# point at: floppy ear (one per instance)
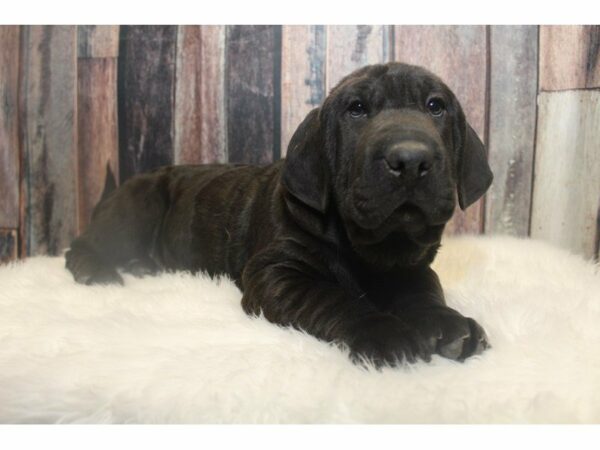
(474, 173)
(305, 174)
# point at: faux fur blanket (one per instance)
(178, 348)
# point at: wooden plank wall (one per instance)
(97, 128)
(566, 193)
(48, 121)
(9, 141)
(80, 103)
(511, 130)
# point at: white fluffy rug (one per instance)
(178, 348)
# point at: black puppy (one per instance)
(337, 238)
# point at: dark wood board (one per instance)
(8, 245)
(146, 95)
(253, 60)
(48, 121)
(9, 128)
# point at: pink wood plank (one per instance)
(302, 75)
(200, 135)
(569, 57)
(97, 137)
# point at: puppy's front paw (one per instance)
(386, 340)
(447, 332)
(88, 270)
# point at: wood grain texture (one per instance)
(97, 137)
(457, 54)
(352, 46)
(98, 41)
(8, 245)
(200, 134)
(9, 128)
(566, 193)
(146, 87)
(597, 237)
(48, 126)
(513, 95)
(303, 64)
(569, 57)
(253, 56)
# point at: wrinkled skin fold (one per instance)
(336, 239)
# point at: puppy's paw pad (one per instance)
(453, 349)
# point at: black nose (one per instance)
(409, 159)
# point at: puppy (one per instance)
(336, 239)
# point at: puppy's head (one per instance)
(389, 148)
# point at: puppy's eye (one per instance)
(436, 106)
(357, 109)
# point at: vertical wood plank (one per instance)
(597, 237)
(98, 41)
(513, 95)
(146, 85)
(8, 245)
(303, 53)
(569, 57)
(9, 131)
(49, 120)
(253, 58)
(566, 193)
(458, 55)
(97, 137)
(200, 135)
(350, 47)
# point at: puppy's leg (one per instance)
(416, 296)
(122, 232)
(292, 288)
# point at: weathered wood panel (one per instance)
(458, 55)
(200, 135)
(569, 57)
(566, 193)
(146, 86)
(97, 137)
(352, 46)
(253, 61)
(513, 95)
(9, 131)
(597, 237)
(98, 41)
(8, 245)
(303, 57)
(48, 126)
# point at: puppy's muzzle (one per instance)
(407, 145)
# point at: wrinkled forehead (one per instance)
(385, 87)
